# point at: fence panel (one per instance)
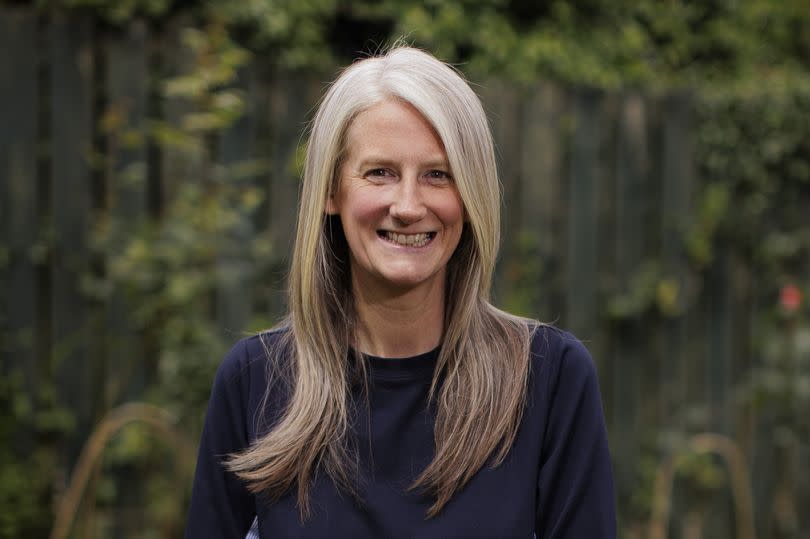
(237, 145)
(289, 101)
(71, 75)
(584, 191)
(539, 206)
(503, 104)
(19, 199)
(627, 357)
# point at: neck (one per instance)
(399, 324)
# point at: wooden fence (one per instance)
(598, 190)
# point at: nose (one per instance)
(408, 205)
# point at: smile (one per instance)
(407, 240)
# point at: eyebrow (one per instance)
(385, 162)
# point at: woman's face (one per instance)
(401, 212)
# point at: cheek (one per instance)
(451, 211)
(362, 207)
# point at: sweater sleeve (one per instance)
(575, 485)
(221, 506)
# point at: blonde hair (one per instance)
(483, 364)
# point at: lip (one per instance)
(430, 235)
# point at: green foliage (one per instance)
(28, 464)
(113, 11)
(652, 292)
(713, 208)
(754, 154)
(606, 44)
(523, 274)
(600, 43)
(702, 470)
(137, 452)
(161, 272)
(779, 387)
(167, 270)
(296, 31)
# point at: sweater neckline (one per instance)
(402, 368)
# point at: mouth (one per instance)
(407, 240)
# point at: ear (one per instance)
(331, 206)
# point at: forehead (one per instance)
(393, 128)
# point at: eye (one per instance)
(439, 176)
(378, 174)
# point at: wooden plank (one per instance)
(177, 164)
(655, 335)
(263, 136)
(125, 368)
(19, 203)
(556, 287)
(583, 196)
(504, 109)
(744, 352)
(677, 180)
(702, 371)
(127, 78)
(290, 100)
(605, 232)
(632, 174)
(542, 215)
(627, 359)
(632, 170)
(719, 373)
(267, 296)
(234, 268)
(71, 136)
(126, 81)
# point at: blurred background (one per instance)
(655, 159)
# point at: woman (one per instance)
(395, 400)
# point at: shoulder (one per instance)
(253, 351)
(559, 358)
(242, 381)
(246, 364)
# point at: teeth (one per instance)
(410, 240)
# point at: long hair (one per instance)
(479, 385)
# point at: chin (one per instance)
(405, 282)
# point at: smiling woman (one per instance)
(395, 400)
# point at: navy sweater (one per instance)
(556, 481)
